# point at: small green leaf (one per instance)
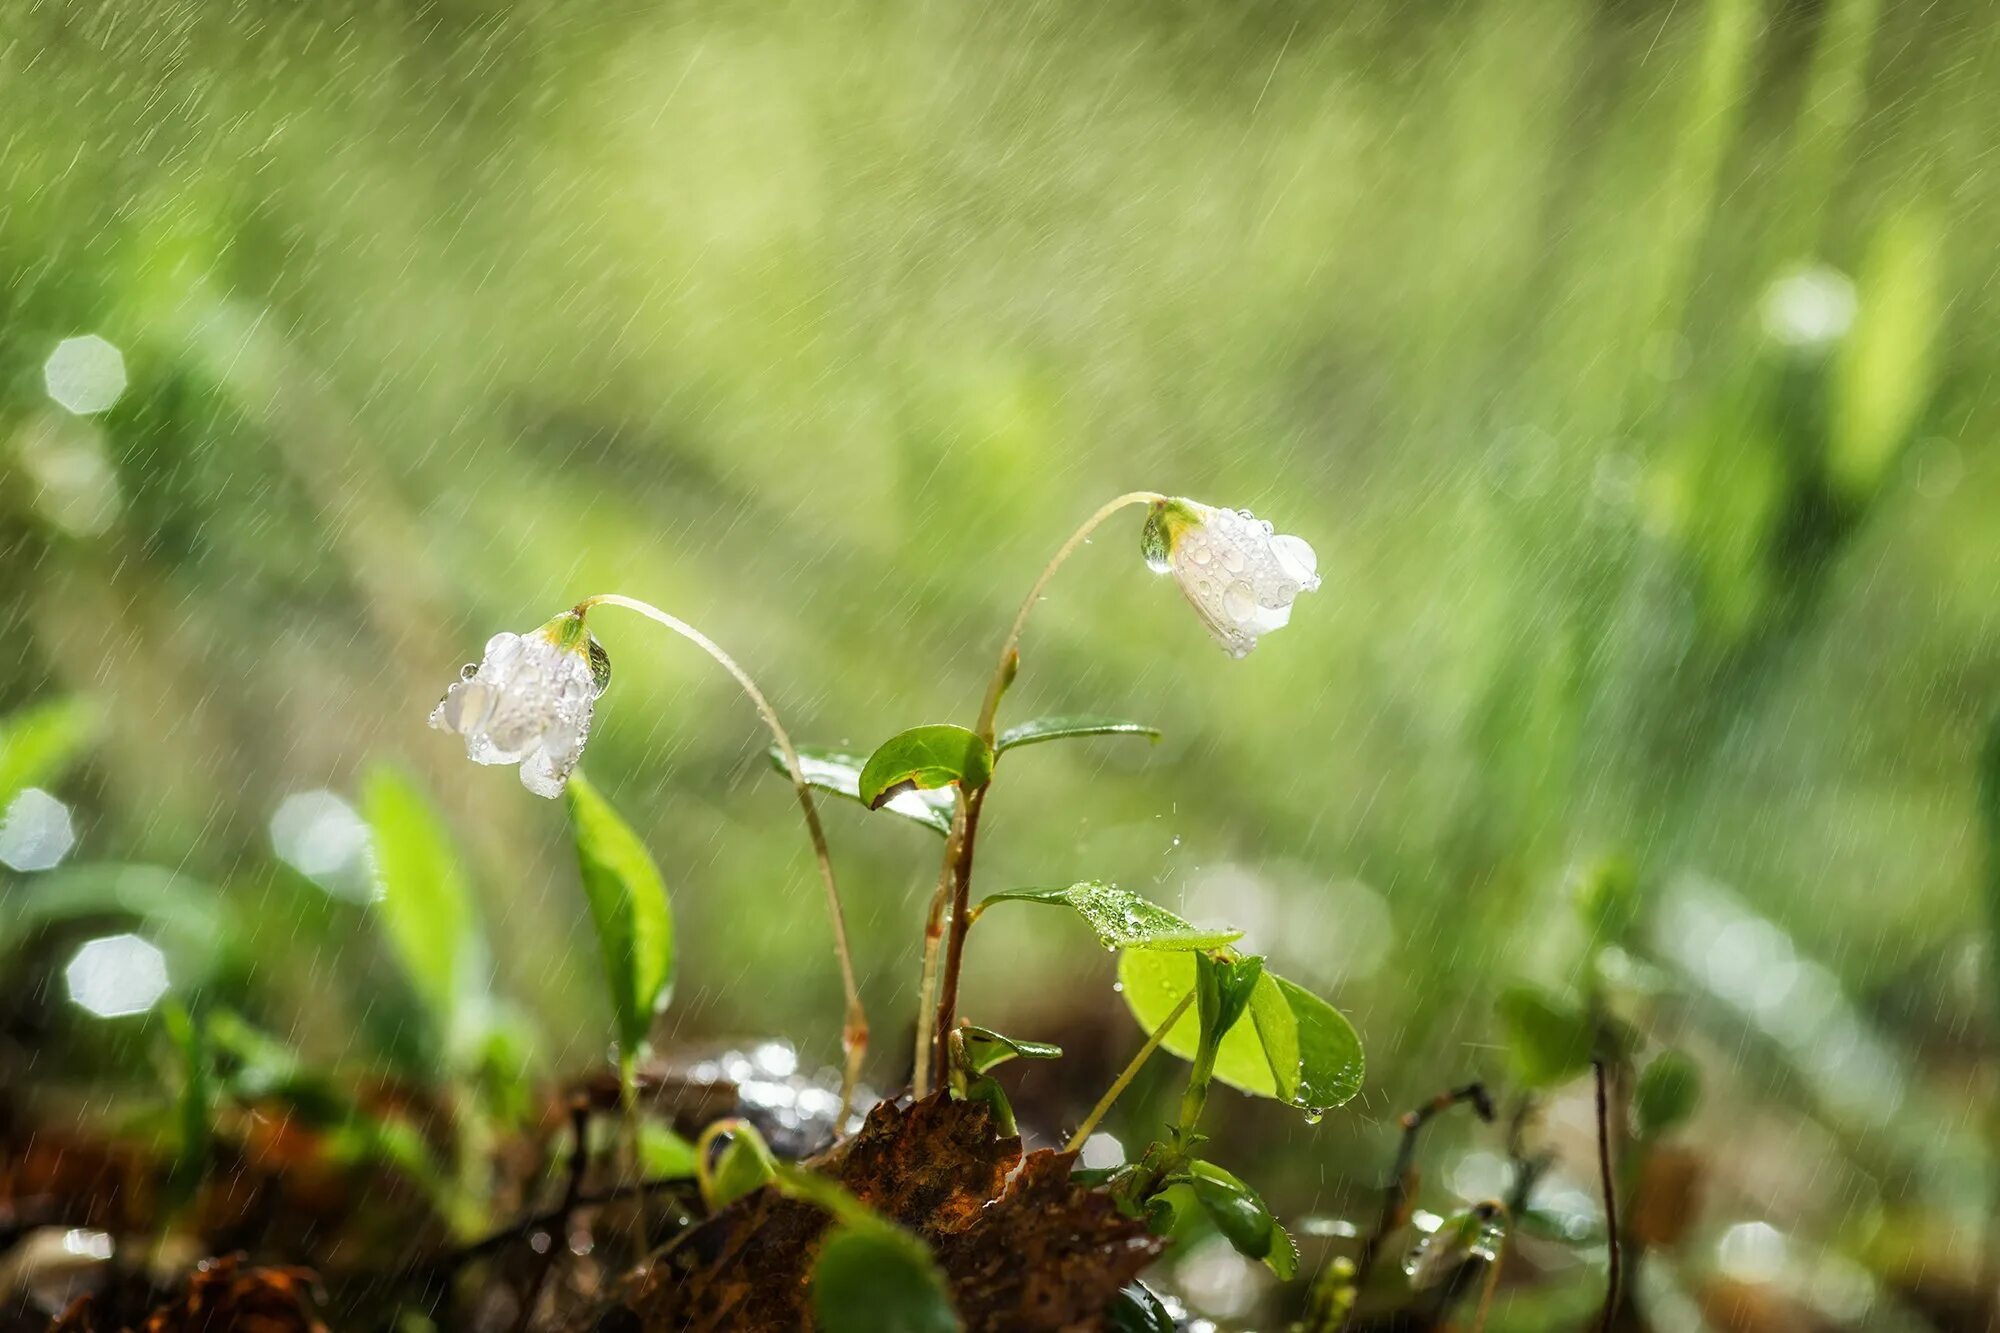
(628, 903)
(195, 1105)
(1242, 1218)
(985, 1048)
(746, 1165)
(1223, 987)
(1608, 901)
(1137, 1309)
(876, 1278)
(1550, 1040)
(1062, 728)
(1667, 1093)
(985, 1090)
(423, 899)
(39, 742)
(1297, 1048)
(663, 1154)
(839, 772)
(924, 759)
(1121, 918)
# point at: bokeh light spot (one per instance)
(85, 375)
(117, 975)
(36, 833)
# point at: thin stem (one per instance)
(1127, 1074)
(1010, 647)
(854, 1029)
(635, 1159)
(1396, 1193)
(941, 901)
(1610, 1195)
(1493, 1270)
(956, 874)
(579, 1163)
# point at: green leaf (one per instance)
(195, 1105)
(1062, 728)
(184, 916)
(39, 742)
(1137, 1309)
(839, 772)
(1608, 902)
(924, 759)
(1297, 1048)
(1224, 985)
(1667, 1093)
(1550, 1040)
(746, 1165)
(985, 1090)
(1121, 918)
(423, 899)
(1989, 818)
(628, 903)
(663, 1154)
(1243, 1218)
(985, 1048)
(1888, 363)
(876, 1278)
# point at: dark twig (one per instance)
(1396, 1194)
(528, 1226)
(579, 1163)
(1610, 1194)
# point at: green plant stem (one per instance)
(927, 977)
(956, 877)
(1126, 1075)
(854, 1027)
(1612, 1280)
(628, 1108)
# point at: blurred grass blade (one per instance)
(839, 772)
(1121, 918)
(423, 899)
(1883, 378)
(1989, 818)
(628, 903)
(38, 743)
(1062, 728)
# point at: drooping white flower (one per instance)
(1238, 573)
(529, 702)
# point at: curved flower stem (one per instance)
(1127, 1074)
(1010, 648)
(1612, 1280)
(955, 878)
(854, 1029)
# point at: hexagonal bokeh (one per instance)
(85, 374)
(117, 975)
(36, 832)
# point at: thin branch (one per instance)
(528, 1226)
(854, 1028)
(1396, 1193)
(1610, 1195)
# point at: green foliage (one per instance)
(1549, 1040)
(1989, 818)
(1243, 1218)
(1121, 918)
(1138, 1310)
(424, 901)
(1064, 727)
(839, 772)
(182, 915)
(744, 1166)
(663, 1154)
(1607, 901)
(628, 905)
(1297, 1048)
(924, 759)
(38, 743)
(984, 1049)
(1886, 366)
(194, 1104)
(875, 1278)
(1667, 1093)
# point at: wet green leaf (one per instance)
(1668, 1090)
(1887, 365)
(628, 903)
(1550, 1040)
(924, 759)
(1608, 901)
(839, 772)
(876, 1278)
(1297, 1048)
(1137, 1309)
(39, 742)
(1121, 918)
(745, 1165)
(985, 1048)
(1062, 728)
(663, 1154)
(423, 899)
(1242, 1218)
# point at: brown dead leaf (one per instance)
(1038, 1254)
(221, 1296)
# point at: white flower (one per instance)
(529, 702)
(1240, 576)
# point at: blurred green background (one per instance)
(1629, 364)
